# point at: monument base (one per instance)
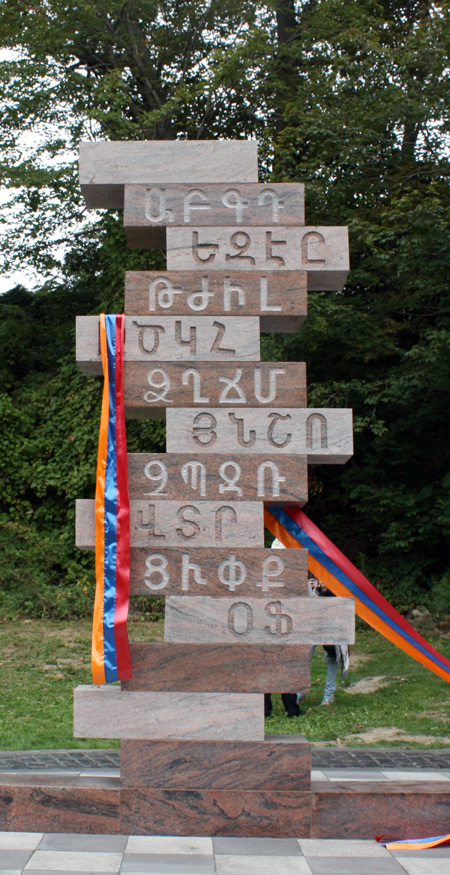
(359, 810)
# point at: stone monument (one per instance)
(238, 619)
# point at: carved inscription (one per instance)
(172, 524)
(148, 208)
(271, 620)
(321, 252)
(279, 480)
(170, 338)
(325, 435)
(149, 388)
(279, 298)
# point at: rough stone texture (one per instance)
(321, 251)
(105, 168)
(155, 339)
(277, 763)
(183, 477)
(278, 297)
(171, 524)
(109, 712)
(324, 434)
(148, 209)
(215, 812)
(246, 571)
(362, 811)
(249, 621)
(59, 809)
(219, 668)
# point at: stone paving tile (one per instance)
(168, 864)
(20, 840)
(355, 866)
(424, 866)
(354, 774)
(256, 846)
(419, 775)
(316, 775)
(74, 861)
(342, 848)
(10, 871)
(83, 842)
(442, 851)
(233, 864)
(169, 845)
(14, 859)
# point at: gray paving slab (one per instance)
(74, 861)
(82, 842)
(342, 848)
(354, 775)
(169, 845)
(256, 846)
(354, 866)
(169, 864)
(441, 852)
(424, 866)
(262, 865)
(20, 840)
(14, 859)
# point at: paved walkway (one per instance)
(61, 854)
(56, 854)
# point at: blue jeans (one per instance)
(330, 680)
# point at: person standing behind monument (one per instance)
(335, 654)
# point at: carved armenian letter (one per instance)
(324, 434)
(149, 209)
(321, 251)
(172, 524)
(202, 620)
(277, 297)
(217, 572)
(162, 476)
(173, 338)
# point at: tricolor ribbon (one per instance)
(110, 648)
(294, 529)
(412, 844)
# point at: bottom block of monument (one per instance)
(109, 712)
(266, 813)
(281, 762)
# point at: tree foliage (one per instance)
(350, 98)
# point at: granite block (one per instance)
(321, 251)
(279, 298)
(149, 389)
(106, 167)
(232, 668)
(325, 435)
(215, 812)
(203, 620)
(217, 572)
(279, 763)
(109, 712)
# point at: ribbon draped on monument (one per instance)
(110, 649)
(294, 529)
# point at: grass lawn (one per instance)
(388, 699)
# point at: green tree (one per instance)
(350, 98)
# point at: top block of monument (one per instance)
(106, 167)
